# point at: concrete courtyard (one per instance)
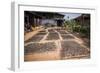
(54, 44)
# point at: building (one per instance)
(83, 20)
(46, 19)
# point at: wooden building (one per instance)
(35, 19)
(83, 20)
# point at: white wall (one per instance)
(50, 21)
(5, 34)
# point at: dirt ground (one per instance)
(54, 44)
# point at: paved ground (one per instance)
(55, 44)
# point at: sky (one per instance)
(69, 16)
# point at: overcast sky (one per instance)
(69, 16)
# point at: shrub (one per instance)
(85, 30)
(75, 26)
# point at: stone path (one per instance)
(53, 44)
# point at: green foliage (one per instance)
(85, 31)
(77, 28)
(74, 26)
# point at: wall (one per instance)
(5, 35)
(48, 21)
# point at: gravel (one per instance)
(52, 36)
(62, 31)
(39, 47)
(41, 33)
(35, 38)
(72, 48)
(51, 30)
(67, 37)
